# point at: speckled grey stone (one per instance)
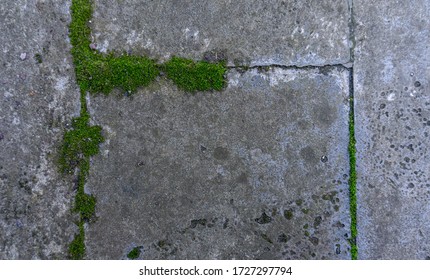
(392, 70)
(37, 100)
(251, 32)
(235, 174)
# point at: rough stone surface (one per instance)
(246, 32)
(392, 71)
(36, 102)
(237, 174)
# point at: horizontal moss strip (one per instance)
(195, 76)
(101, 73)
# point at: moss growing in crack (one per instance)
(195, 76)
(85, 204)
(134, 254)
(99, 73)
(352, 188)
(79, 143)
(77, 246)
(352, 171)
(103, 73)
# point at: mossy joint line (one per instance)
(101, 73)
(352, 171)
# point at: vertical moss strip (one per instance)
(352, 172)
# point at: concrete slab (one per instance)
(38, 96)
(246, 32)
(392, 95)
(258, 171)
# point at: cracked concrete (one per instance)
(38, 97)
(215, 175)
(256, 171)
(392, 71)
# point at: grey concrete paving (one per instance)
(246, 32)
(258, 171)
(392, 70)
(38, 96)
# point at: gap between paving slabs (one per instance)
(100, 73)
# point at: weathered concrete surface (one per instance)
(246, 32)
(238, 174)
(36, 101)
(392, 95)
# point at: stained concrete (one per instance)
(38, 97)
(257, 171)
(392, 107)
(245, 32)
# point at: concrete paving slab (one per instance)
(246, 32)
(257, 171)
(38, 96)
(392, 113)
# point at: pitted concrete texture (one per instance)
(38, 96)
(245, 32)
(258, 171)
(392, 95)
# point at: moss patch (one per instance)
(77, 247)
(288, 214)
(352, 175)
(100, 73)
(79, 143)
(195, 76)
(134, 254)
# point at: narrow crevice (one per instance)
(351, 25)
(347, 66)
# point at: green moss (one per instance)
(134, 254)
(352, 171)
(352, 187)
(195, 76)
(288, 214)
(77, 246)
(38, 58)
(99, 73)
(85, 204)
(103, 73)
(79, 143)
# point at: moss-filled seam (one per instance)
(352, 174)
(79, 144)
